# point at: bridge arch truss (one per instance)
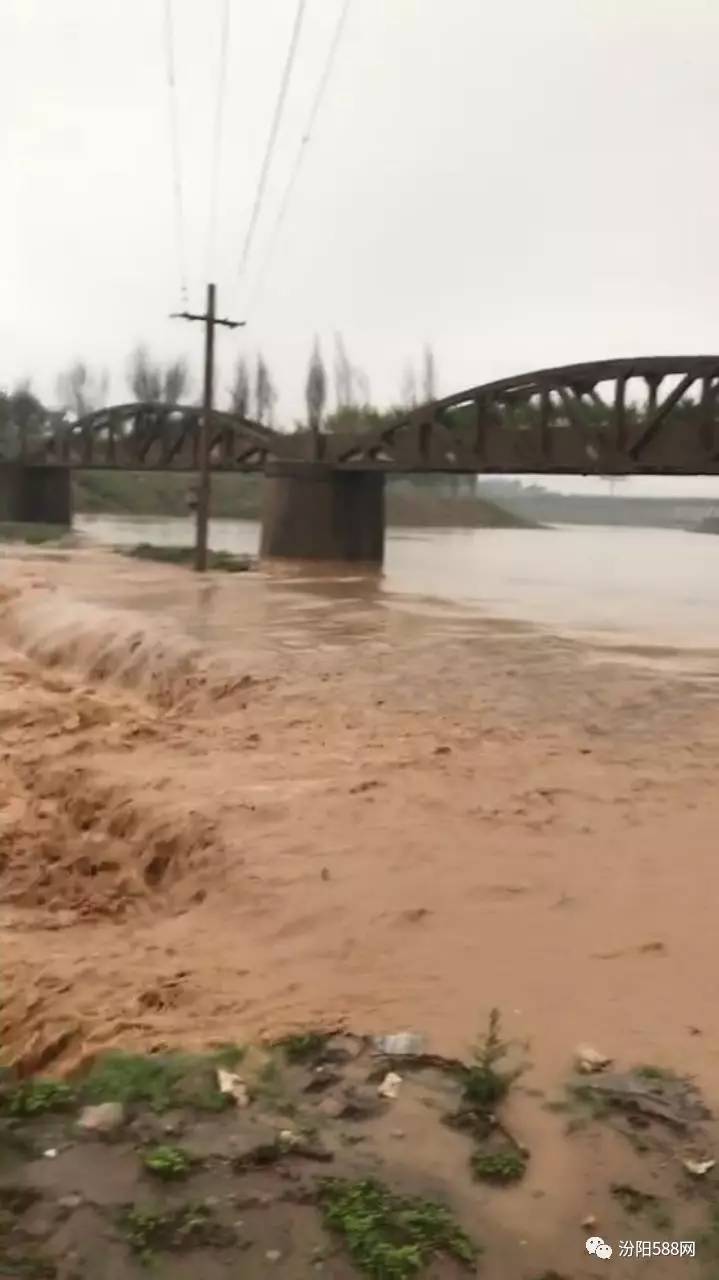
(159, 437)
(650, 415)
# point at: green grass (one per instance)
(36, 1097)
(391, 1237)
(500, 1167)
(169, 1164)
(160, 1081)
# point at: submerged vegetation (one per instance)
(223, 561)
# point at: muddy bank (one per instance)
(338, 1156)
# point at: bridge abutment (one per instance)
(36, 494)
(312, 512)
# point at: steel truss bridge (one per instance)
(646, 416)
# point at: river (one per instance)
(620, 586)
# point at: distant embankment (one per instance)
(147, 493)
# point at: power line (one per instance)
(272, 138)
(217, 137)
(175, 143)
(294, 175)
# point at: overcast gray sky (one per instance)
(519, 182)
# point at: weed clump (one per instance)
(168, 1163)
(391, 1237)
(500, 1167)
(484, 1083)
(189, 1226)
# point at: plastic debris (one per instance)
(50, 1153)
(233, 1085)
(389, 1088)
(589, 1060)
(698, 1168)
(404, 1044)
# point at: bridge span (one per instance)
(324, 494)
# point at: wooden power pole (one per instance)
(210, 321)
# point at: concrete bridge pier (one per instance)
(35, 495)
(311, 512)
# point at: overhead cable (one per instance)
(306, 136)
(272, 137)
(175, 149)
(217, 137)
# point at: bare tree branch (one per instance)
(240, 389)
(144, 376)
(429, 375)
(80, 390)
(316, 389)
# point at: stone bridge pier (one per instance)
(312, 512)
(35, 494)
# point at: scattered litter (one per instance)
(589, 1222)
(228, 1082)
(589, 1060)
(389, 1087)
(698, 1168)
(405, 1044)
(273, 1255)
(50, 1153)
(289, 1139)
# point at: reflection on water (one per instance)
(635, 587)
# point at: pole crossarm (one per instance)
(190, 315)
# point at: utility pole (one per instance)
(210, 320)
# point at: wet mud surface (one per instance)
(228, 812)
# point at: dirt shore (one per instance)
(229, 814)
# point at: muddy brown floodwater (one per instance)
(397, 823)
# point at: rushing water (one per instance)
(643, 586)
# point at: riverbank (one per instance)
(255, 827)
(239, 497)
(337, 1155)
